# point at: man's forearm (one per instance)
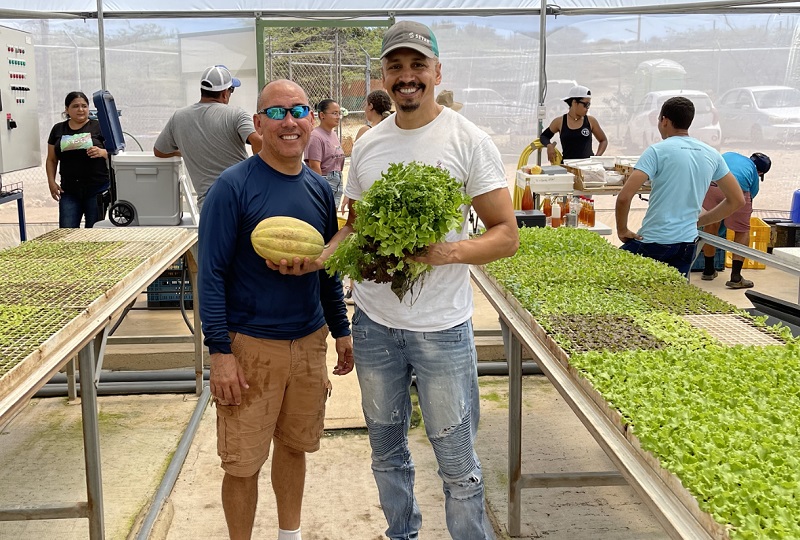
(718, 213)
(621, 211)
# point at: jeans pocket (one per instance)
(451, 335)
(357, 314)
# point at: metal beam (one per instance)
(585, 479)
(45, 511)
(29, 14)
(748, 252)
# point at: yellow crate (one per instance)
(759, 238)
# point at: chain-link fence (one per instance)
(342, 73)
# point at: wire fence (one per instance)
(344, 73)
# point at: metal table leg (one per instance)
(191, 262)
(91, 441)
(21, 215)
(514, 355)
(72, 389)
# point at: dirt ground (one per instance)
(41, 456)
(41, 459)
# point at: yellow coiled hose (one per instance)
(523, 160)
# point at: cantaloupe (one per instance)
(283, 237)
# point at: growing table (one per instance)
(676, 511)
(71, 325)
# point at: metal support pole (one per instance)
(101, 42)
(514, 433)
(260, 57)
(91, 442)
(72, 392)
(542, 72)
(191, 262)
(100, 353)
(23, 235)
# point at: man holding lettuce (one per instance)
(429, 330)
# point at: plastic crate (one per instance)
(719, 261)
(719, 255)
(164, 291)
(759, 239)
(168, 300)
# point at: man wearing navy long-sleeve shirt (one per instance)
(266, 332)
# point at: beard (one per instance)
(407, 107)
(410, 107)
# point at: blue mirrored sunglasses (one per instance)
(279, 113)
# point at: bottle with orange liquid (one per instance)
(565, 206)
(582, 211)
(547, 208)
(590, 214)
(527, 196)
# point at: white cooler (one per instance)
(147, 190)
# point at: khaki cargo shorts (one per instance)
(289, 386)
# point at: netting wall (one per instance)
(622, 59)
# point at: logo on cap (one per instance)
(411, 35)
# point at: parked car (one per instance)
(642, 130)
(760, 113)
(491, 111)
(553, 101)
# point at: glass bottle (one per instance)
(590, 214)
(527, 196)
(547, 208)
(565, 207)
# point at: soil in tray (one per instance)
(583, 333)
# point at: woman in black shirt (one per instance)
(77, 144)
(576, 128)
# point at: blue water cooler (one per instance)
(795, 213)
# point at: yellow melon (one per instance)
(283, 237)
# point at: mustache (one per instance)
(396, 87)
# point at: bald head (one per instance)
(278, 86)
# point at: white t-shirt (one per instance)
(453, 143)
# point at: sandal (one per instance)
(741, 284)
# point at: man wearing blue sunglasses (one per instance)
(210, 134)
(266, 332)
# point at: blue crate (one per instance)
(168, 300)
(719, 256)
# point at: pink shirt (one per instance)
(324, 146)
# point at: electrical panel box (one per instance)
(19, 120)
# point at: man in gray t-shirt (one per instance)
(210, 135)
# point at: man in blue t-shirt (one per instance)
(266, 332)
(748, 171)
(680, 169)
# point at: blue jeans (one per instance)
(334, 179)
(445, 364)
(72, 207)
(679, 255)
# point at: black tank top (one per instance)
(577, 143)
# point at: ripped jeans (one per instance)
(445, 364)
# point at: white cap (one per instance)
(218, 78)
(578, 92)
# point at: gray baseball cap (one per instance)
(412, 35)
(218, 78)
